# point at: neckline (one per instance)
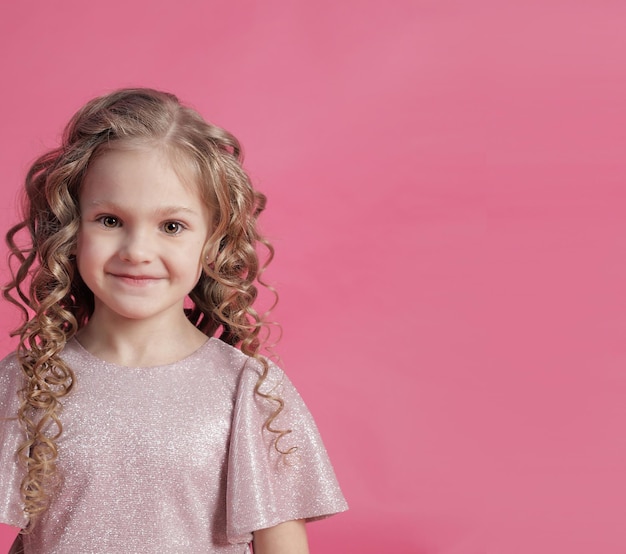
(82, 351)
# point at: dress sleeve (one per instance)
(264, 487)
(11, 512)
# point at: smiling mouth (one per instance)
(138, 280)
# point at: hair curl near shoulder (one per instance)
(56, 303)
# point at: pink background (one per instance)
(446, 186)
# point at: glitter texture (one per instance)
(170, 458)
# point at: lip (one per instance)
(135, 280)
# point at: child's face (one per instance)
(141, 237)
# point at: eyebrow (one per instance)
(166, 211)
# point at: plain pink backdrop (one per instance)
(447, 199)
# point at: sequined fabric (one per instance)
(170, 458)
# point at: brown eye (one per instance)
(172, 227)
(110, 221)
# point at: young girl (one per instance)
(137, 412)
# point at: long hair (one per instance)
(56, 303)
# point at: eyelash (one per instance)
(104, 218)
(112, 222)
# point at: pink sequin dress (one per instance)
(169, 458)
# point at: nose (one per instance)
(136, 247)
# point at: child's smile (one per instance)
(141, 236)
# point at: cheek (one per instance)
(87, 252)
(200, 269)
(183, 259)
(79, 252)
(83, 261)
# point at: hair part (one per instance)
(56, 303)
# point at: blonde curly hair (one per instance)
(56, 303)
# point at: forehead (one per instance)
(164, 156)
(138, 176)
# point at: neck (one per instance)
(140, 343)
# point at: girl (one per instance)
(137, 412)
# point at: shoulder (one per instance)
(243, 366)
(227, 354)
(11, 381)
(8, 360)
(9, 368)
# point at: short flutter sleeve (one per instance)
(11, 506)
(264, 487)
